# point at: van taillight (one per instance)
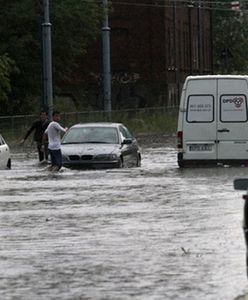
(179, 139)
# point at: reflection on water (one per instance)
(155, 232)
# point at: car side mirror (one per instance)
(127, 142)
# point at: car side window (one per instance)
(125, 133)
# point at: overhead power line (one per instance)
(220, 5)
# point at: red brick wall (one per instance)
(153, 49)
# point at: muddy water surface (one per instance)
(155, 232)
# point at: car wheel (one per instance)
(9, 164)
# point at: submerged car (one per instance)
(5, 159)
(100, 145)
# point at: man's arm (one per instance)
(60, 128)
(32, 128)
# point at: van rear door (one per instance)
(199, 124)
(232, 130)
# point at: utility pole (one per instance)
(176, 43)
(106, 59)
(200, 44)
(47, 60)
(190, 6)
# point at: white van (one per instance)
(213, 121)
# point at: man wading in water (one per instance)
(39, 127)
(53, 134)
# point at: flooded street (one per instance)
(155, 232)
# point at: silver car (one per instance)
(100, 145)
(5, 159)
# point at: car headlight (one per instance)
(106, 157)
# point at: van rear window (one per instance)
(233, 108)
(200, 109)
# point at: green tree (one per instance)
(230, 39)
(75, 24)
(7, 67)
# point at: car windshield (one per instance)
(79, 135)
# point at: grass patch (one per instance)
(144, 121)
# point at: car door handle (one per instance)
(223, 130)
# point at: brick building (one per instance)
(155, 44)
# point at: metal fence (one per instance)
(148, 120)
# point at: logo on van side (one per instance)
(236, 100)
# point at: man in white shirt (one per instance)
(53, 133)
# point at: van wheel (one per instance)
(9, 164)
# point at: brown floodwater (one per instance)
(155, 232)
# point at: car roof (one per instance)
(97, 124)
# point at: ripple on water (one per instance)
(155, 232)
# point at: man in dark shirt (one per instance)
(39, 127)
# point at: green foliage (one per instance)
(75, 24)
(230, 40)
(7, 67)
